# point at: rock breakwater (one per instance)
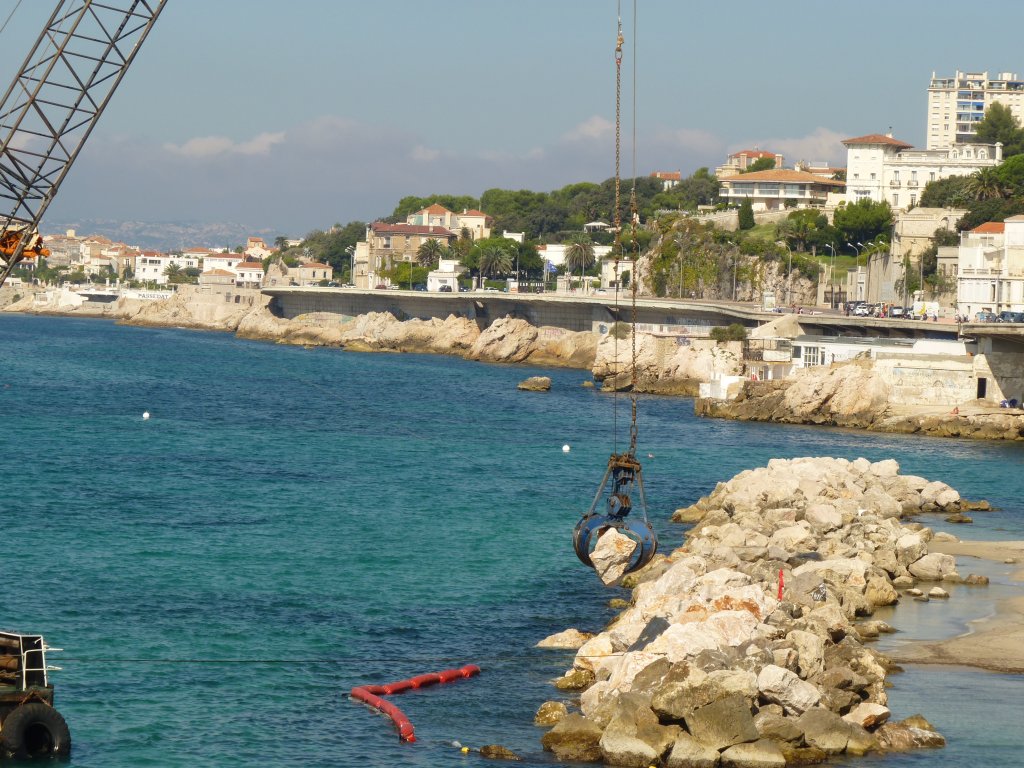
(748, 645)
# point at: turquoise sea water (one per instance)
(291, 523)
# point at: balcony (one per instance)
(912, 183)
(895, 183)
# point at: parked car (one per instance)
(985, 317)
(1010, 317)
(445, 289)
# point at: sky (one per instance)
(291, 115)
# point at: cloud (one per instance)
(822, 144)
(595, 127)
(424, 154)
(211, 146)
(337, 169)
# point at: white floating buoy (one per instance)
(145, 415)
(566, 448)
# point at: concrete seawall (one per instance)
(572, 313)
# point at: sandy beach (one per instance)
(995, 643)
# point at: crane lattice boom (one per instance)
(53, 104)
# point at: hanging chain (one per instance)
(617, 222)
(635, 254)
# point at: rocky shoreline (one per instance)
(750, 644)
(844, 395)
(849, 395)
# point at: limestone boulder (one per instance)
(910, 548)
(612, 556)
(507, 340)
(825, 730)
(535, 384)
(687, 752)
(676, 699)
(906, 736)
(784, 687)
(773, 725)
(933, 567)
(568, 639)
(549, 713)
(594, 653)
(574, 738)
(810, 650)
(763, 753)
(867, 715)
(823, 517)
(722, 723)
(633, 736)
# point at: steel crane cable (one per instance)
(635, 252)
(7, 21)
(617, 223)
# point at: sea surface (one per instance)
(291, 522)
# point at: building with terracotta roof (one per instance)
(879, 167)
(151, 266)
(249, 274)
(777, 189)
(217, 276)
(476, 222)
(990, 268)
(739, 162)
(311, 273)
(222, 260)
(668, 179)
(957, 104)
(256, 248)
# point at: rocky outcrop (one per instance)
(535, 384)
(855, 394)
(746, 646)
(663, 366)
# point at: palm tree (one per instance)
(429, 252)
(986, 184)
(494, 261)
(579, 255)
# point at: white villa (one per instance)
(151, 265)
(879, 167)
(446, 277)
(990, 268)
(776, 189)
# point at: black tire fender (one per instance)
(36, 730)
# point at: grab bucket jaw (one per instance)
(622, 475)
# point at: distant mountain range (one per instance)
(161, 235)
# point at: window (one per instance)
(812, 356)
(913, 175)
(913, 200)
(872, 175)
(931, 176)
(895, 175)
(896, 201)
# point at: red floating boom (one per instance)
(371, 695)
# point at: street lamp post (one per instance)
(734, 254)
(351, 251)
(517, 269)
(832, 274)
(857, 251)
(789, 270)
